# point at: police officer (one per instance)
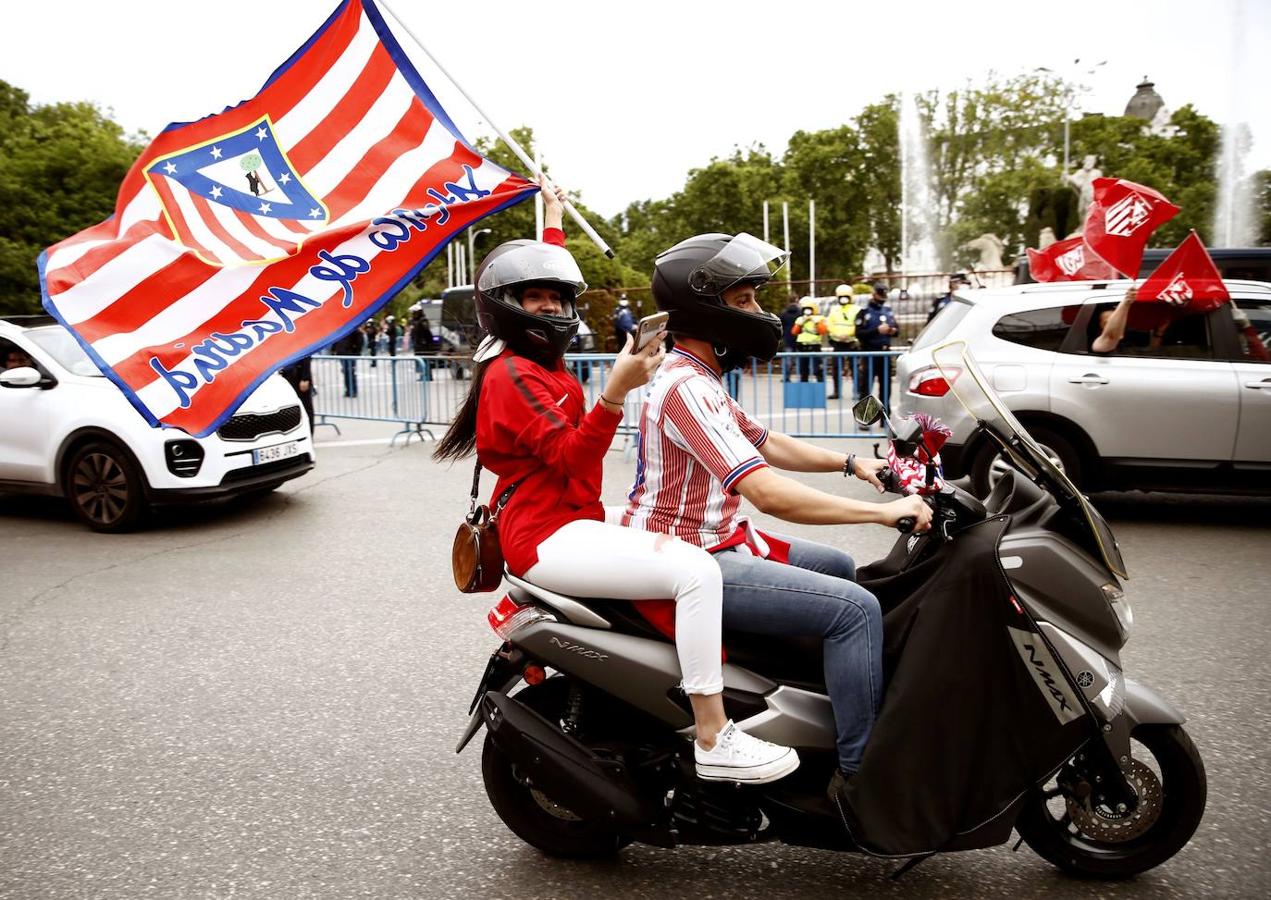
(392, 332)
(372, 337)
(842, 325)
(623, 322)
(875, 325)
(808, 330)
(956, 280)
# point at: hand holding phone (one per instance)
(648, 328)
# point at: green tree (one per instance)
(879, 126)
(1180, 163)
(60, 169)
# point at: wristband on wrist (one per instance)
(607, 402)
(849, 465)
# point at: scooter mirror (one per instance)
(867, 410)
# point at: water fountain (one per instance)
(1233, 214)
(1234, 211)
(917, 205)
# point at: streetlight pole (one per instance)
(1070, 95)
(472, 236)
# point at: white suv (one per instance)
(1184, 403)
(66, 430)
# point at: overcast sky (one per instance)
(625, 98)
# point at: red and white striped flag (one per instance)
(1187, 277)
(1068, 260)
(252, 238)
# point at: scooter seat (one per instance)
(795, 661)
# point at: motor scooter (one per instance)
(1006, 707)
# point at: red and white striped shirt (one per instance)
(696, 445)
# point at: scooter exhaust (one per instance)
(596, 789)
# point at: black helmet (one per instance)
(504, 275)
(689, 281)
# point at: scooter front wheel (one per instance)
(1168, 777)
(533, 816)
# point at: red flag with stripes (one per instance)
(1187, 277)
(1122, 217)
(249, 239)
(1068, 260)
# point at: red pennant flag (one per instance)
(1122, 217)
(1069, 260)
(1187, 277)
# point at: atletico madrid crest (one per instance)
(236, 198)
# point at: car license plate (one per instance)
(276, 452)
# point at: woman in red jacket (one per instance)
(525, 417)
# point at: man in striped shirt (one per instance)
(700, 453)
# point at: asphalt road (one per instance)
(262, 700)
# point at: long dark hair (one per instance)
(460, 439)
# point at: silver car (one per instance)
(1184, 403)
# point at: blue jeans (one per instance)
(816, 596)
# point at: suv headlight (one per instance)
(1121, 606)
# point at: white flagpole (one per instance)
(538, 201)
(765, 222)
(812, 246)
(513, 145)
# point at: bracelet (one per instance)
(849, 465)
(605, 400)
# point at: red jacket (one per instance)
(531, 429)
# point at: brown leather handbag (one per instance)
(476, 557)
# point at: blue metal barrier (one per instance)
(374, 389)
(799, 394)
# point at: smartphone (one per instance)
(648, 327)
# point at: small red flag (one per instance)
(1122, 217)
(1187, 277)
(1069, 260)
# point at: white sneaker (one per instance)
(737, 756)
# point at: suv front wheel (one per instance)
(104, 487)
(990, 463)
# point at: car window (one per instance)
(943, 324)
(62, 346)
(1157, 331)
(1253, 330)
(1042, 329)
(12, 356)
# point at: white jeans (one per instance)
(586, 558)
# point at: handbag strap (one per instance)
(499, 504)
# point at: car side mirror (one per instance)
(21, 377)
(867, 410)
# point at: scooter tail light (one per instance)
(508, 617)
(931, 382)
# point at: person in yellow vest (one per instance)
(842, 324)
(808, 331)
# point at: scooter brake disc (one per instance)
(1110, 826)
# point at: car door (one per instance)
(1252, 363)
(1162, 395)
(24, 427)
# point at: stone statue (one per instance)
(1083, 181)
(990, 248)
(1045, 238)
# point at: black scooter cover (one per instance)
(964, 730)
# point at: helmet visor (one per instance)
(744, 258)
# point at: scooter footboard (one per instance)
(596, 789)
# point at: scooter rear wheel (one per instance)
(1169, 779)
(533, 816)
